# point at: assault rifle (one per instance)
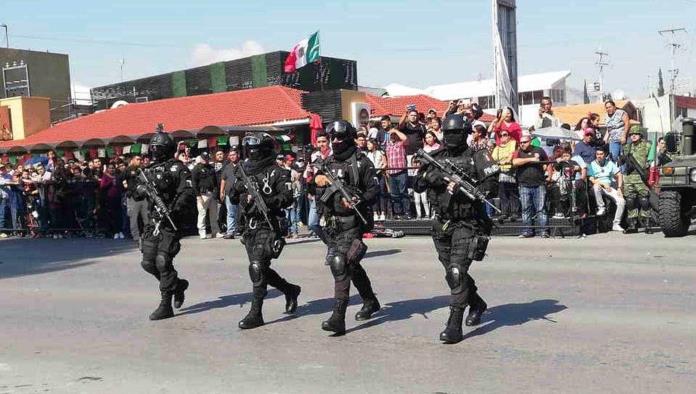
(161, 208)
(338, 186)
(633, 165)
(255, 195)
(455, 174)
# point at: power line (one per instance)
(673, 45)
(96, 42)
(601, 63)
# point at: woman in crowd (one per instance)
(618, 124)
(420, 200)
(31, 202)
(379, 160)
(110, 203)
(507, 185)
(58, 199)
(478, 140)
(435, 125)
(507, 122)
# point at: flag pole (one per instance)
(321, 78)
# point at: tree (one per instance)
(585, 95)
(660, 84)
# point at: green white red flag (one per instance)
(305, 52)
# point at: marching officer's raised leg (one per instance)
(263, 190)
(456, 179)
(346, 186)
(166, 185)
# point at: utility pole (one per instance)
(671, 35)
(122, 62)
(7, 37)
(601, 63)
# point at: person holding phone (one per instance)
(506, 122)
(546, 117)
(413, 128)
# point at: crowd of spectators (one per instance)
(562, 179)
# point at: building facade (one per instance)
(247, 73)
(37, 74)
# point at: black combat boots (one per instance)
(254, 318)
(337, 321)
(164, 310)
(632, 227)
(291, 298)
(370, 306)
(181, 287)
(476, 310)
(453, 331)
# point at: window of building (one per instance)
(558, 95)
(487, 102)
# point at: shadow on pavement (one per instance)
(316, 307)
(304, 241)
(402, 310)
(496, 317)
(225, 301)
(21, 256)
(380, 253)
(516, 314)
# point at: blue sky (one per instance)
(415, 43)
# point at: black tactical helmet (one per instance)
(162, 146)
(456, 122)
(455, 129)
(341, 129)
(258, 146)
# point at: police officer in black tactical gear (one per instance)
(263, 240)
(461, 226)
(159, 242)
(341, 223)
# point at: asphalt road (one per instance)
(610, 313)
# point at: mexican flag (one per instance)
(305, 52)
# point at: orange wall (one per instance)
(29, 115)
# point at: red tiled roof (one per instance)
(238, 108)
(685, 102)
(397, 105)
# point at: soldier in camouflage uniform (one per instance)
(634, 189)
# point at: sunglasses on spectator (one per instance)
(525, 142)
(505, 135)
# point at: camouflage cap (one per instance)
(636, 129)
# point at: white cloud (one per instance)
(204, 54)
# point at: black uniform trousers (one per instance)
(339, 242)
(258, 243)
(158, 256)
(452, 245)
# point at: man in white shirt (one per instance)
(546, 117)
(602, 173)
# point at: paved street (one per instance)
(610, 313)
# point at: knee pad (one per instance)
(630, 202)
(338, 266)
(455, 278)
(644, 203)
(149, 266)
(161, 262)
(257, 273)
